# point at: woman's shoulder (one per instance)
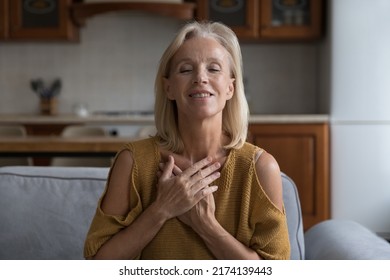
(248, 152)
(269, 175)
(267, 171)
(137, 150)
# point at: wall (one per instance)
(359, 111)
(113, 68)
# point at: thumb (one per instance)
(168, 168)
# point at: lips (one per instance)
(202, 94)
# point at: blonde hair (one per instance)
(236, 112)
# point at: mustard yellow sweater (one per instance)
(242, 208)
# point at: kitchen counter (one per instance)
(146, 119)
(286, 119)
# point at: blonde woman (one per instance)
(196, 190)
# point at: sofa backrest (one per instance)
(292, 206)
(45, 212)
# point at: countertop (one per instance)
(147, 119)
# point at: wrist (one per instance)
(160, 215)
(210, 229)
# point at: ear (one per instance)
(231, 89)
(167, 87)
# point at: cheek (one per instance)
(170, 88)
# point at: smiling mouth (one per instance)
(201, 95)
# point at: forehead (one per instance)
(201, 48)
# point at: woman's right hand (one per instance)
(178, 194)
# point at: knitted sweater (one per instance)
(242, 208)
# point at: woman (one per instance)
(197, 190)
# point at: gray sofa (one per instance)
(45, 213)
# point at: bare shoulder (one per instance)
(268, 172)
(116, 199)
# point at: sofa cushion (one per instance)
(45, 212)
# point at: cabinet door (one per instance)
(41, 19)
(3, 19)
(302, 153)
(291, 19)
(242, 16)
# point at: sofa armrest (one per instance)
(344, 240)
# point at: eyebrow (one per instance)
(184, 60)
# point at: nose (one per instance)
(200, 76)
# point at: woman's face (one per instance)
(200, 79)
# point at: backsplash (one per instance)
(114, 66)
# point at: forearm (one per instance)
(129, 242)
(223, 245)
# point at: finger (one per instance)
(204, 182)
(161, 166)
(168, 168)
(177, 170)
(197, 166)
(203, 173)
(205, 192)
(209, 190)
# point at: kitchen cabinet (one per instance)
(37, 20)
(266, 20)
(82, 11)
(3, 19)
(302, 151)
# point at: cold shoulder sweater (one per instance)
(242, 208)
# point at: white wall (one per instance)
(360, 112)
(113, 68)
(361, 60)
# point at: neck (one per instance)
(202, 140)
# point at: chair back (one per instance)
(13, 131)
(82, 131)
(292, 206)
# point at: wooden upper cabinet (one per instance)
(241, 16)
(266, 20)
(82, 11)
(3, 19)
(291, 19)
(41, 20)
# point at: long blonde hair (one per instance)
(236, 112)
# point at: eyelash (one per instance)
(213, 70)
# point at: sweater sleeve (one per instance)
(270, 237)
(104, 226)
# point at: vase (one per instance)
(48, 106)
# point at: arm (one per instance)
(221, 243)
(175, 195)
(128, 243)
